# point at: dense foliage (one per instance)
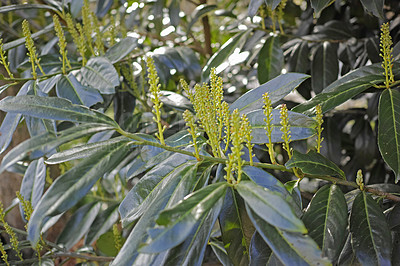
(176, 132)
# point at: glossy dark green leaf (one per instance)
(393, 216)
(314, 163)
(78, 224)
(324, 67)
(235, 228)
(10, 123)
(193, 249)
(175, 100)
(99, 73)
(121, 49)
(277, 88)
(33, 182)
(85, 150)
(143, 193)
(319, 5)
(18, 42)
(174, 10)
(270, 59)
(103, 6)
(70, 187)
(299, 58)
(273, 3)
(374, 6)
(264, 179)
(12, 8)
(40, 145)
(103, 222)
(271, 206)
(129, 252)
(70, 88)
(291, 248)
(223, 53)
(259, 250)
(53, 108)
(220, 252)
(254, 6)
(326, 220)
(7, 129)
(198, 12)
(370, 233)
(345, 88)
(301, 126)
(176, 223)
(47, 85)
(389, 129)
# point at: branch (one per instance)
(282, 168)
(207, 32)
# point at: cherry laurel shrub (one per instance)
(170, 178)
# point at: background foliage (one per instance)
(95, 158)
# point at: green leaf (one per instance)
(70, 187)
(193, 249)
(345, 88)
(370, 233)
(175, 100)
(277, 88)
(259, 251)
(78, 224)
(253, 7)
(220, 252)
(179, 186)
(85, 150)
(7, 129)
(235, 228)
(319, 5)
(299, 58)
(103, 222)
(129, 252)
(198, 12)
(389, 129)
(12, 8)
(271, 206)
(175, 224)
(273, 3)
(42, 144)
(374, 6)
(32, 185)
(324, 67)
(326, 220)
(18, 42)
(291, 248)
(301, 126)
(270, 59)
(99, 73)
(314, 163)
(149, 186)
(223, 53)
(121, 49)
(53, 108)
(70, 88)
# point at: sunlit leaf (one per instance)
(314, 163)
(277, 88)
(271, 206)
